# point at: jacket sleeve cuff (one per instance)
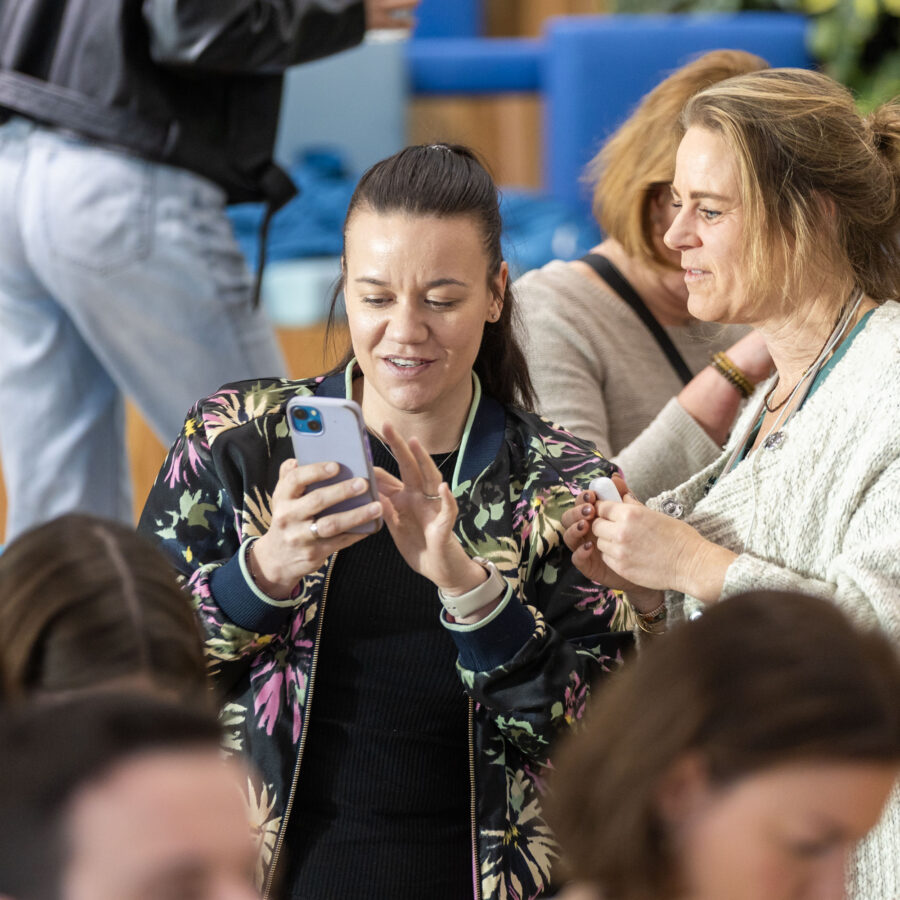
(242, 601)
(496, 639)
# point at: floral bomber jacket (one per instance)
(527, 671)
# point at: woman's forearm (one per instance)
(712, 402)
(703, 575)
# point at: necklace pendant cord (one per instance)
(802, 387)
(831, 343)
(438, 465)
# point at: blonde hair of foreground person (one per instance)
(767, 682)
(89, 604)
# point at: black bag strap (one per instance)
(617, 281)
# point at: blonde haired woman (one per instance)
(594, 325)
(788, 215)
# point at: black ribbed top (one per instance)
(382, 807)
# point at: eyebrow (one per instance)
(701, 195)
(438, 282)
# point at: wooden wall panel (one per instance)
(505, 129)
(508, 18)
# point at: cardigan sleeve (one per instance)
(667, 452)
(862, 579)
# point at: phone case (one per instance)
(330, 429)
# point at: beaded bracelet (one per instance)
(732, 374)
(646, 621)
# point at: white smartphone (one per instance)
(330, 429)
(605, 489)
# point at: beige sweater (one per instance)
(818, 511)
(598, 372)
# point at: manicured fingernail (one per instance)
(331, 468)
(581, 526)
(585, 497)
(358, 485)
(587, 545)
(587, 510)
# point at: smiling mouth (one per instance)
(406, 363)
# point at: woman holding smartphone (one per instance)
(458, 641)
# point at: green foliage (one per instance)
(856, 42)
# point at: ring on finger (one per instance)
(314, 530)
(428, 496)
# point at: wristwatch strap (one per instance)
(480, 595)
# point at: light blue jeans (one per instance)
(117, 277)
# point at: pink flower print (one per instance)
(267, 703)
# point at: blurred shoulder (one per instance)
(557, 279)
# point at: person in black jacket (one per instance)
(125, 128)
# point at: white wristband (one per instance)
(480, 595)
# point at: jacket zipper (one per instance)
(476, 869)
(309, 696)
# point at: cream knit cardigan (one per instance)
(817, 509)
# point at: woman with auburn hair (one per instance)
(750, 777)
(788, 214)
(611, 341)
(87, 604)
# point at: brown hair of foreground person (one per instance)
(120, 796)
(759, 681)
(88, 603)
(639, 159)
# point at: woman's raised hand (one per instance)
(626, 545)
(299, 540)
(578, 537)
(420, 511)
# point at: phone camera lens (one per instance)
(315, 426)
(300, 414)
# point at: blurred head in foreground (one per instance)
(87, 603)
(120, 797)
(742, 755)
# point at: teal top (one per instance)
(818, 381)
